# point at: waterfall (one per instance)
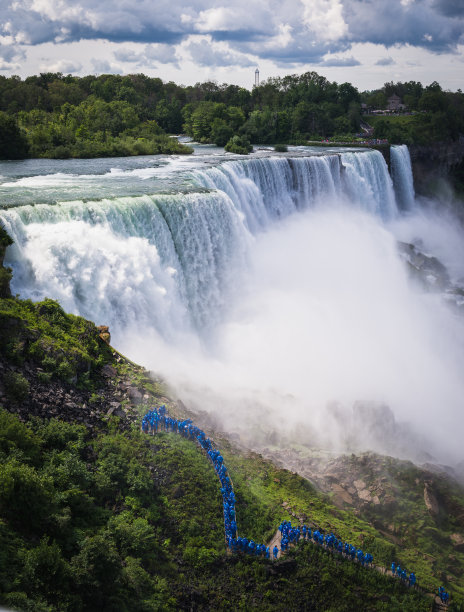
(167, 260)
(163, 261)
(262, 288)
(403, 182)
(189, 244)
(368, 184)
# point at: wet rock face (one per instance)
(432, 162)
(430, 500)
(135, 395)
(432, 275)
(5, 273)
(427, 268)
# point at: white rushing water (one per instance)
(262, 288)
(401, 170)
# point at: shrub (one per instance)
(44, 377)
(26, 496)
(5, 239)
(16, 387)
(65, 371)
(5, 278)
(281, 148)
(239, 144)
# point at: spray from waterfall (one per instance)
(268, 291)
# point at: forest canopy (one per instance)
(53, 115)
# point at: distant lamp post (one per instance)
(256, 78)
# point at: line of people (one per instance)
(158, 420)
(443, 595)
(248, 547)
(401, 573)
(292, 535)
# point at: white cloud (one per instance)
(280, 35)
(64, 66)
(340, 61)
(205, 52)
(10, 57)
(163, 54)
(102, 66)
(324, 18)
(221, 19)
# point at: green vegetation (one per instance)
(420, 128)
(104, 518)
(239, 144)
(52, 115)
(95, 128)
(13, 143)
(126, 522)
(67, 347)
(438, 115)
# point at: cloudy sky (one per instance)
(365, 42)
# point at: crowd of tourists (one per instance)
(443, 595)
(402, 574)
(158, 420)
(295, 535)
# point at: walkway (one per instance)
(286, 535)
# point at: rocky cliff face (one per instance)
(434, 163)
(5, 273)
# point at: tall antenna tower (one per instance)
(256, 78)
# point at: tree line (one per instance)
(53, 115)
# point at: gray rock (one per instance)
(116, 410)
(108, 371)
(134, 395)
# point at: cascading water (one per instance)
(401, 170)
(198, 240)
(257, 286)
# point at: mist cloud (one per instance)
(326, 316)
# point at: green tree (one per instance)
(239, 144)
(221, 132)
(13, 143)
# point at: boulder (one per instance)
(134, 395)
(108, 371)
(104, 333)
(116, 410)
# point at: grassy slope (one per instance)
(116, 520)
